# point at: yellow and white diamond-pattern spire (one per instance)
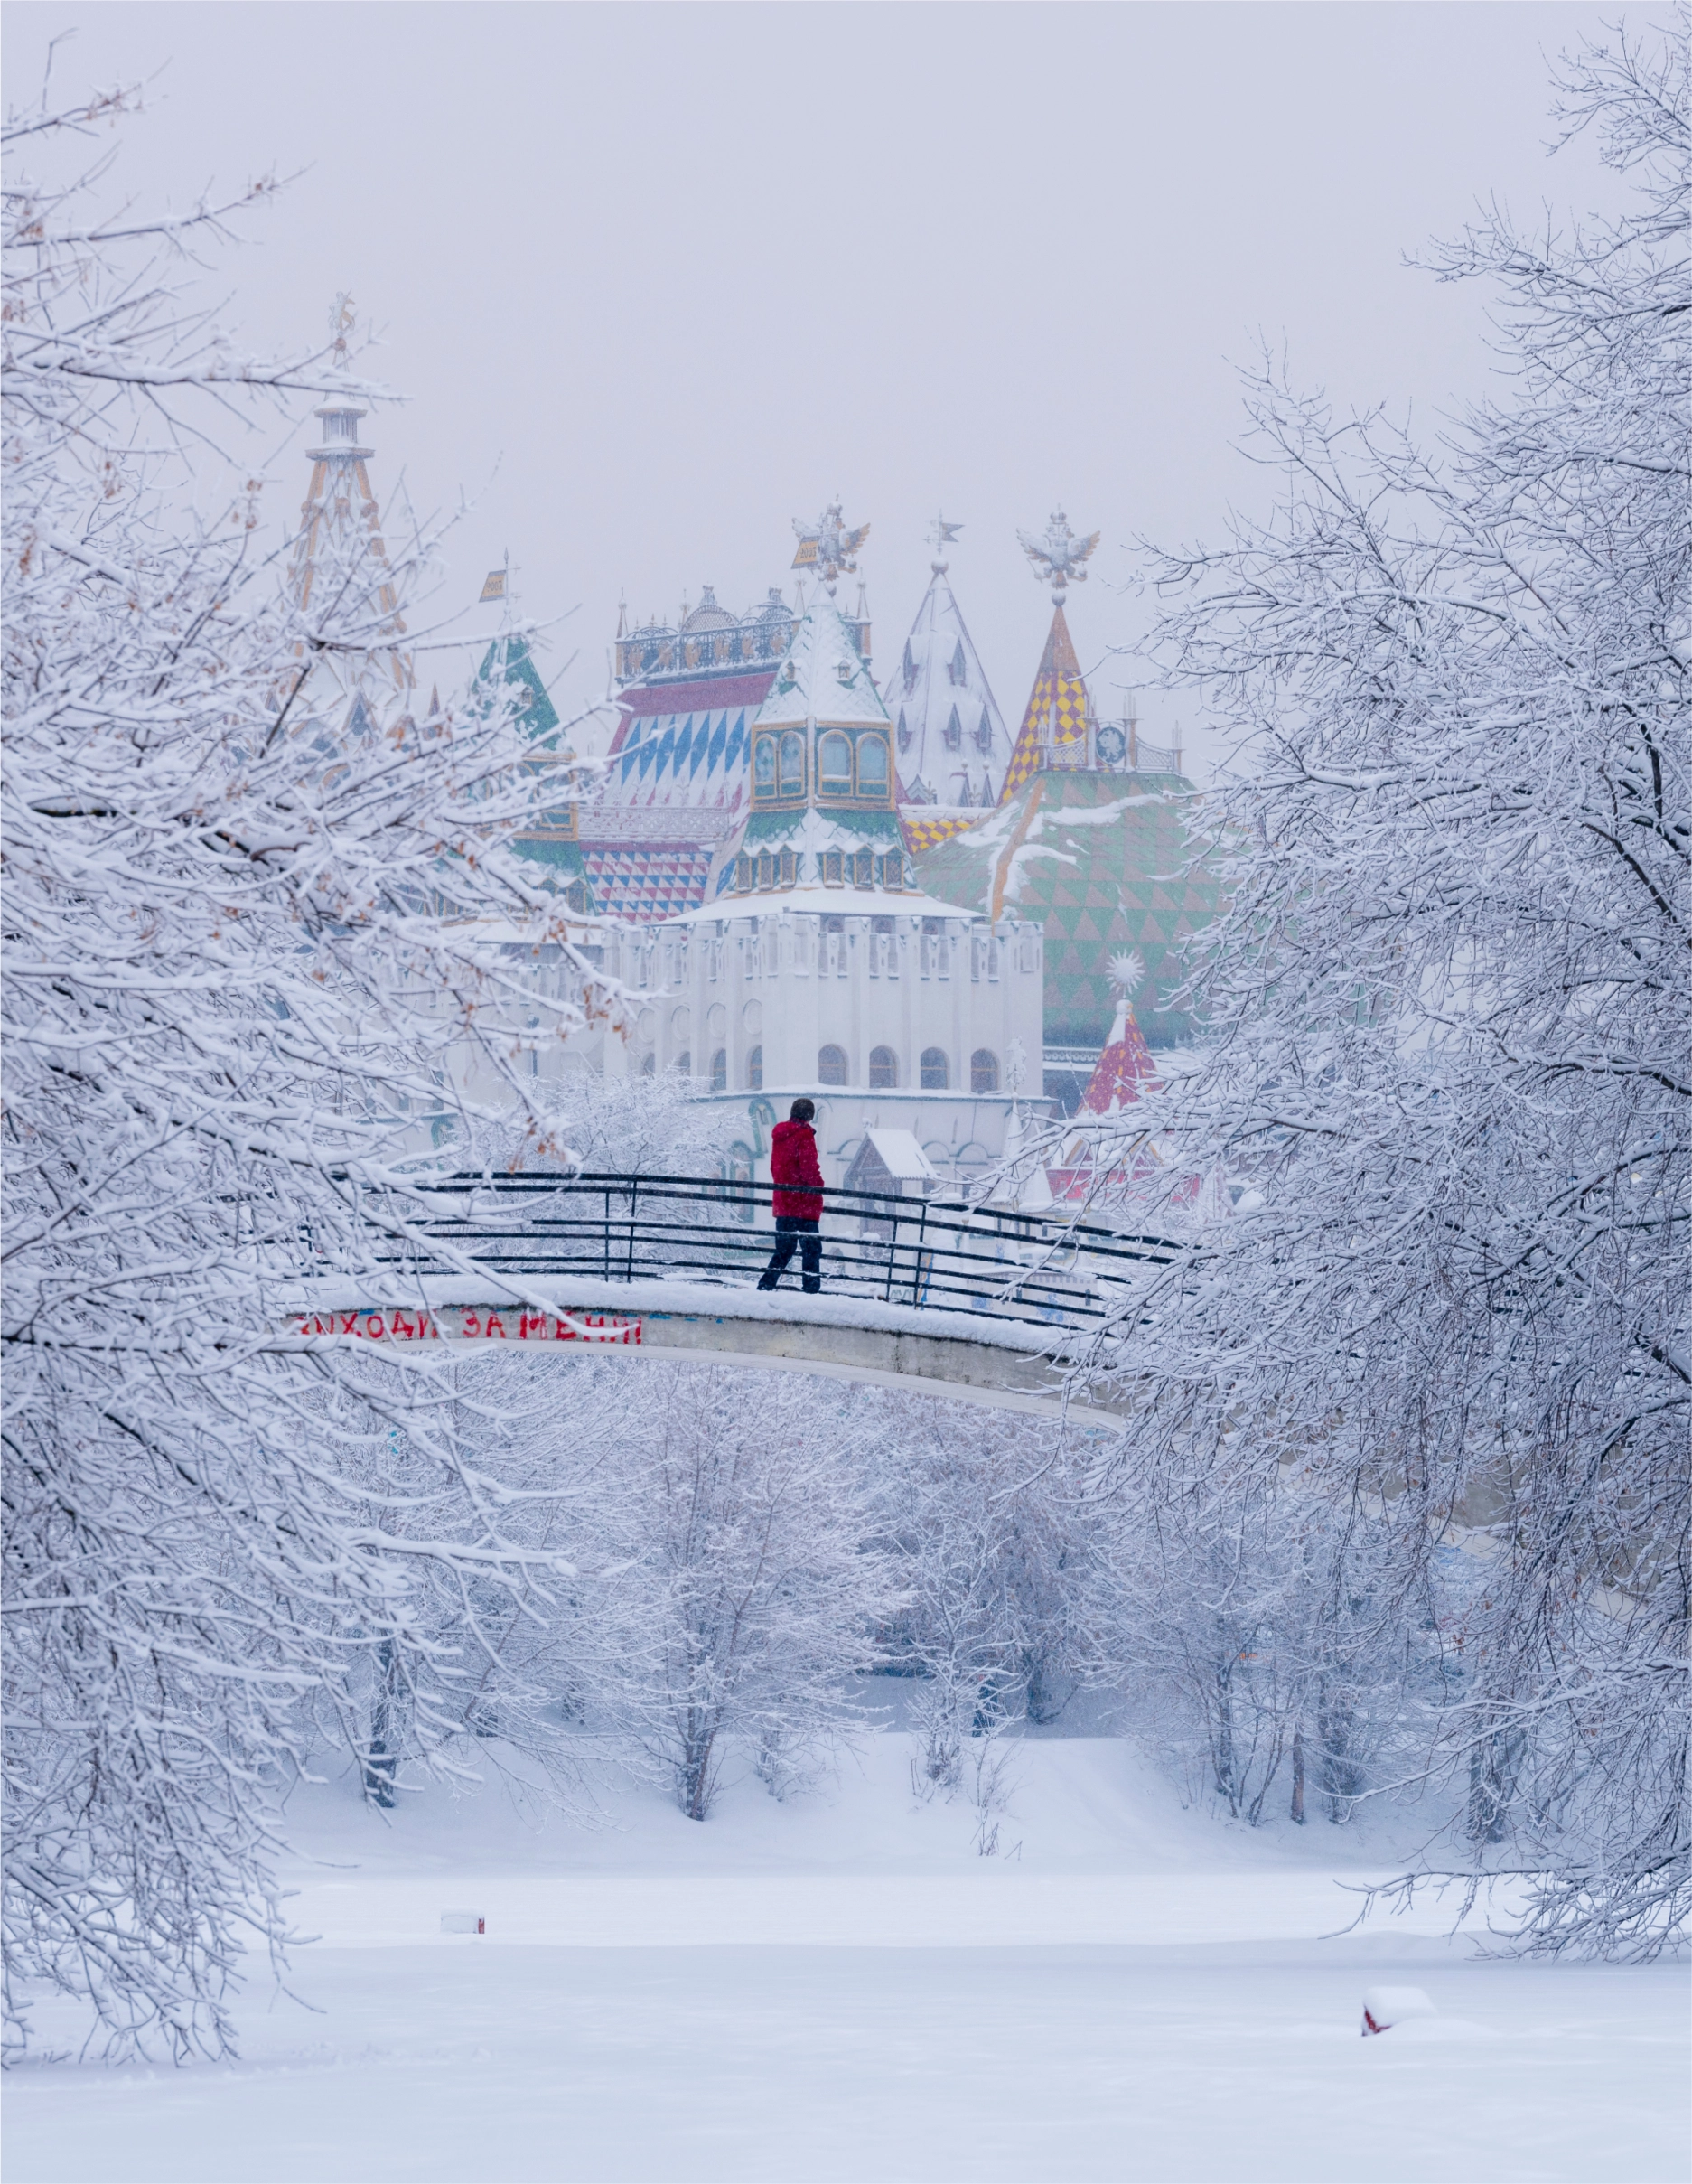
(1057, 724)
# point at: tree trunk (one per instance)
(381, 1760)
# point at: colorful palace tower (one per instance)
(814, 965)
(1089, 837)
(822, 806)
(679, 789)
(676, 787)
(507, 675)
(1125, 1071)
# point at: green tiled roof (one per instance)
(880, 829)
(1100, 888)
(508, 661)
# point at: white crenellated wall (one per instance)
(768, 982)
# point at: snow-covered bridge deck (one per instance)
(934, 1298)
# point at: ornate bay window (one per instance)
(778, 767)
(853, 766)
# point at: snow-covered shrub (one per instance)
(606, 1124)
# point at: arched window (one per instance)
(834, 765)
(792, 764)
(954, 730)
(935, 1076)
(719, 1069)
(871, 766)
(755, 1070)
(831, 1065)
(763, 767)
(883, 1069)
(648, 1067)
(984, 1071)
(684, 1062)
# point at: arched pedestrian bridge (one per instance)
(931, 1296)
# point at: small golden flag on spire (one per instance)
(494, 588)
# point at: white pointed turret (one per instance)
(952, 747)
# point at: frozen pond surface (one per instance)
(838, 1988)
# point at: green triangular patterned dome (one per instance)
(1095, 858)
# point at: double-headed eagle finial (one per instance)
(827, 546)
(1058, 557)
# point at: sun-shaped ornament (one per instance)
(1128, 971)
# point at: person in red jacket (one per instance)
(798, 1181)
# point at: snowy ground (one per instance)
(839, 1987)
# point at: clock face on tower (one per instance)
(1111, 744)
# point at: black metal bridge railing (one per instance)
(936, 1255)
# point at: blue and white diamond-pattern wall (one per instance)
(670, 749)
(680, 747)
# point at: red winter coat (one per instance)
(793, 1160)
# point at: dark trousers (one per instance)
(790, 1230)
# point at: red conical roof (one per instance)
(1125, 1070)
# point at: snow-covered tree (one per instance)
(249, 897)
(1447, 1023)
(997, 1553)
(608, 1124)
(724, 1518)
(1263, 1642)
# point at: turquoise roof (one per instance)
(509, 661)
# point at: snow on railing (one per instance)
(931, 1254)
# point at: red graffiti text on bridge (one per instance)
(468, 1323)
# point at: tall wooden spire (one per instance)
(341, 560)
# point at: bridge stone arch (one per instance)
(873, 1345)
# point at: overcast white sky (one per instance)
(657, 279)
